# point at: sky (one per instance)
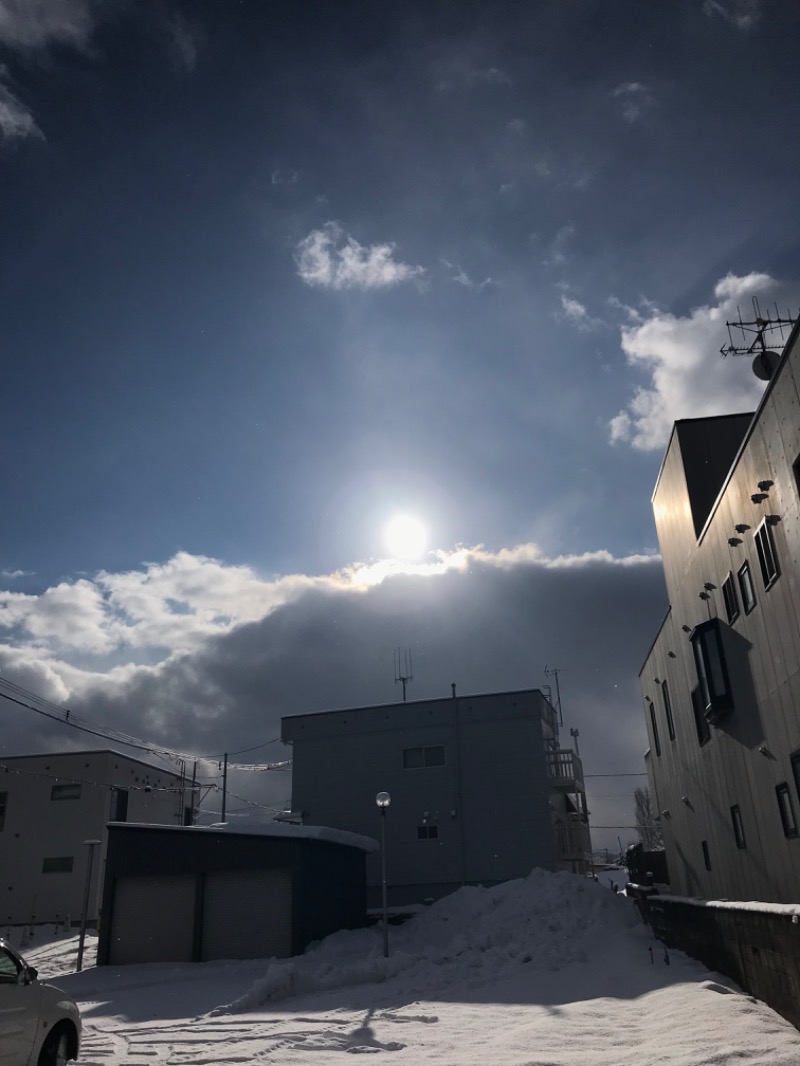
(554, 962)
(276, 273)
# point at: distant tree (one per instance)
(647, 825)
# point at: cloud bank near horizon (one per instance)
(205, 657)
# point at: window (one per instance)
(738, 827)
(731, 599)
(119, 805)
(3, 805)
(654, 724)
(706, 854)
(668, 710)
(9, 968)
(746, 588)
(427, 832)
(72, 791)
(786, 809)
(61, 864)
(795, 758)
(700, 720)
(417, 758)
(767, 557)
(712, 670)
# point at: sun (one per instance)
(405, 537)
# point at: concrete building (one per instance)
(51, 804)
(721, 682)
(480, 790)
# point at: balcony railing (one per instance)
(565, 770)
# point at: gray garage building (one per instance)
(192, 894)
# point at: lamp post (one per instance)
(383, 799)
(91, 844)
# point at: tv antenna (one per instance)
(763, 338)
(402, 668)
(554, 672)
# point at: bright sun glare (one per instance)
(405, 537)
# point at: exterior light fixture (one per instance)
(758, 497)
(382, 800)
(773, 519)
(741, 527)
(704, 596)
(708, 586)
(666, 814)
(656, 681)
(734, 541)
(685, 799)
(765, 486)
(686, 629)
(671, 654)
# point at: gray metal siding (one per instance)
(152, 920)
(247, 914)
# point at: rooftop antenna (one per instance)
(763, 337)
(402, 668)
(554, 672)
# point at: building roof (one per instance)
(94, 751)
(267, 829)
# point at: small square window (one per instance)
(712, 669)
(72, 791)
(767, 557)
(731, 599)
(3, 806)
(413, 758)
(738, 827)
(746, 588)
(706, 854)
(427, 832)
(786, 809)
(434, 756)
(61, 864)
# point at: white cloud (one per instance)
(183, 40)
(490, 76)
(574, 312)
(35, 24)
(688, 377)
(558, 251)
(743, 14)
(16, 119)
(461, 277)
(634, 98)
(330, 258)
(284, 177)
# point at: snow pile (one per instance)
(472, 937)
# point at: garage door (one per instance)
(247, 915)
(152, 920)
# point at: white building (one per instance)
(721, 682)
(51, 804)
(480, 790)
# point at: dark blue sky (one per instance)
(273, 272)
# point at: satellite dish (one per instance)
(765, 364)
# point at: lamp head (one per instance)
(383, 799)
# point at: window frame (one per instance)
(70, 790)
(767, 555)
(3, 809)
(428, 760)
(427, 832)
(58, 864)
(746, 587)
(706, 855)
(786, 810)
(731, 598)
(654, 724)
(711, 665)
(738, 827)
(700, 721)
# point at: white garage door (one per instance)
(152, 920)
(247, 915)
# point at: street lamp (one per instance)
(383, 799)
(91, 844)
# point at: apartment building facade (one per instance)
(721, 682)
(51, 805)
(480, 790)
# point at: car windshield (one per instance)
(9, 967)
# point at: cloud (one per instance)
(460, 277)
(743, 14)
(575, 313)
(16, 119)
(291, 644)
(688, 378)
(38, 24)
(183, 42)
(11, 574)
(490, 76)
(558, 250)
(330, 258)
(284, 177)
(635, 98)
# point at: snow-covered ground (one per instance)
(552, 970)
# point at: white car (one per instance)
(39, 1024)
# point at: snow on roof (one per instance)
(268, 829)
(790, 910)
